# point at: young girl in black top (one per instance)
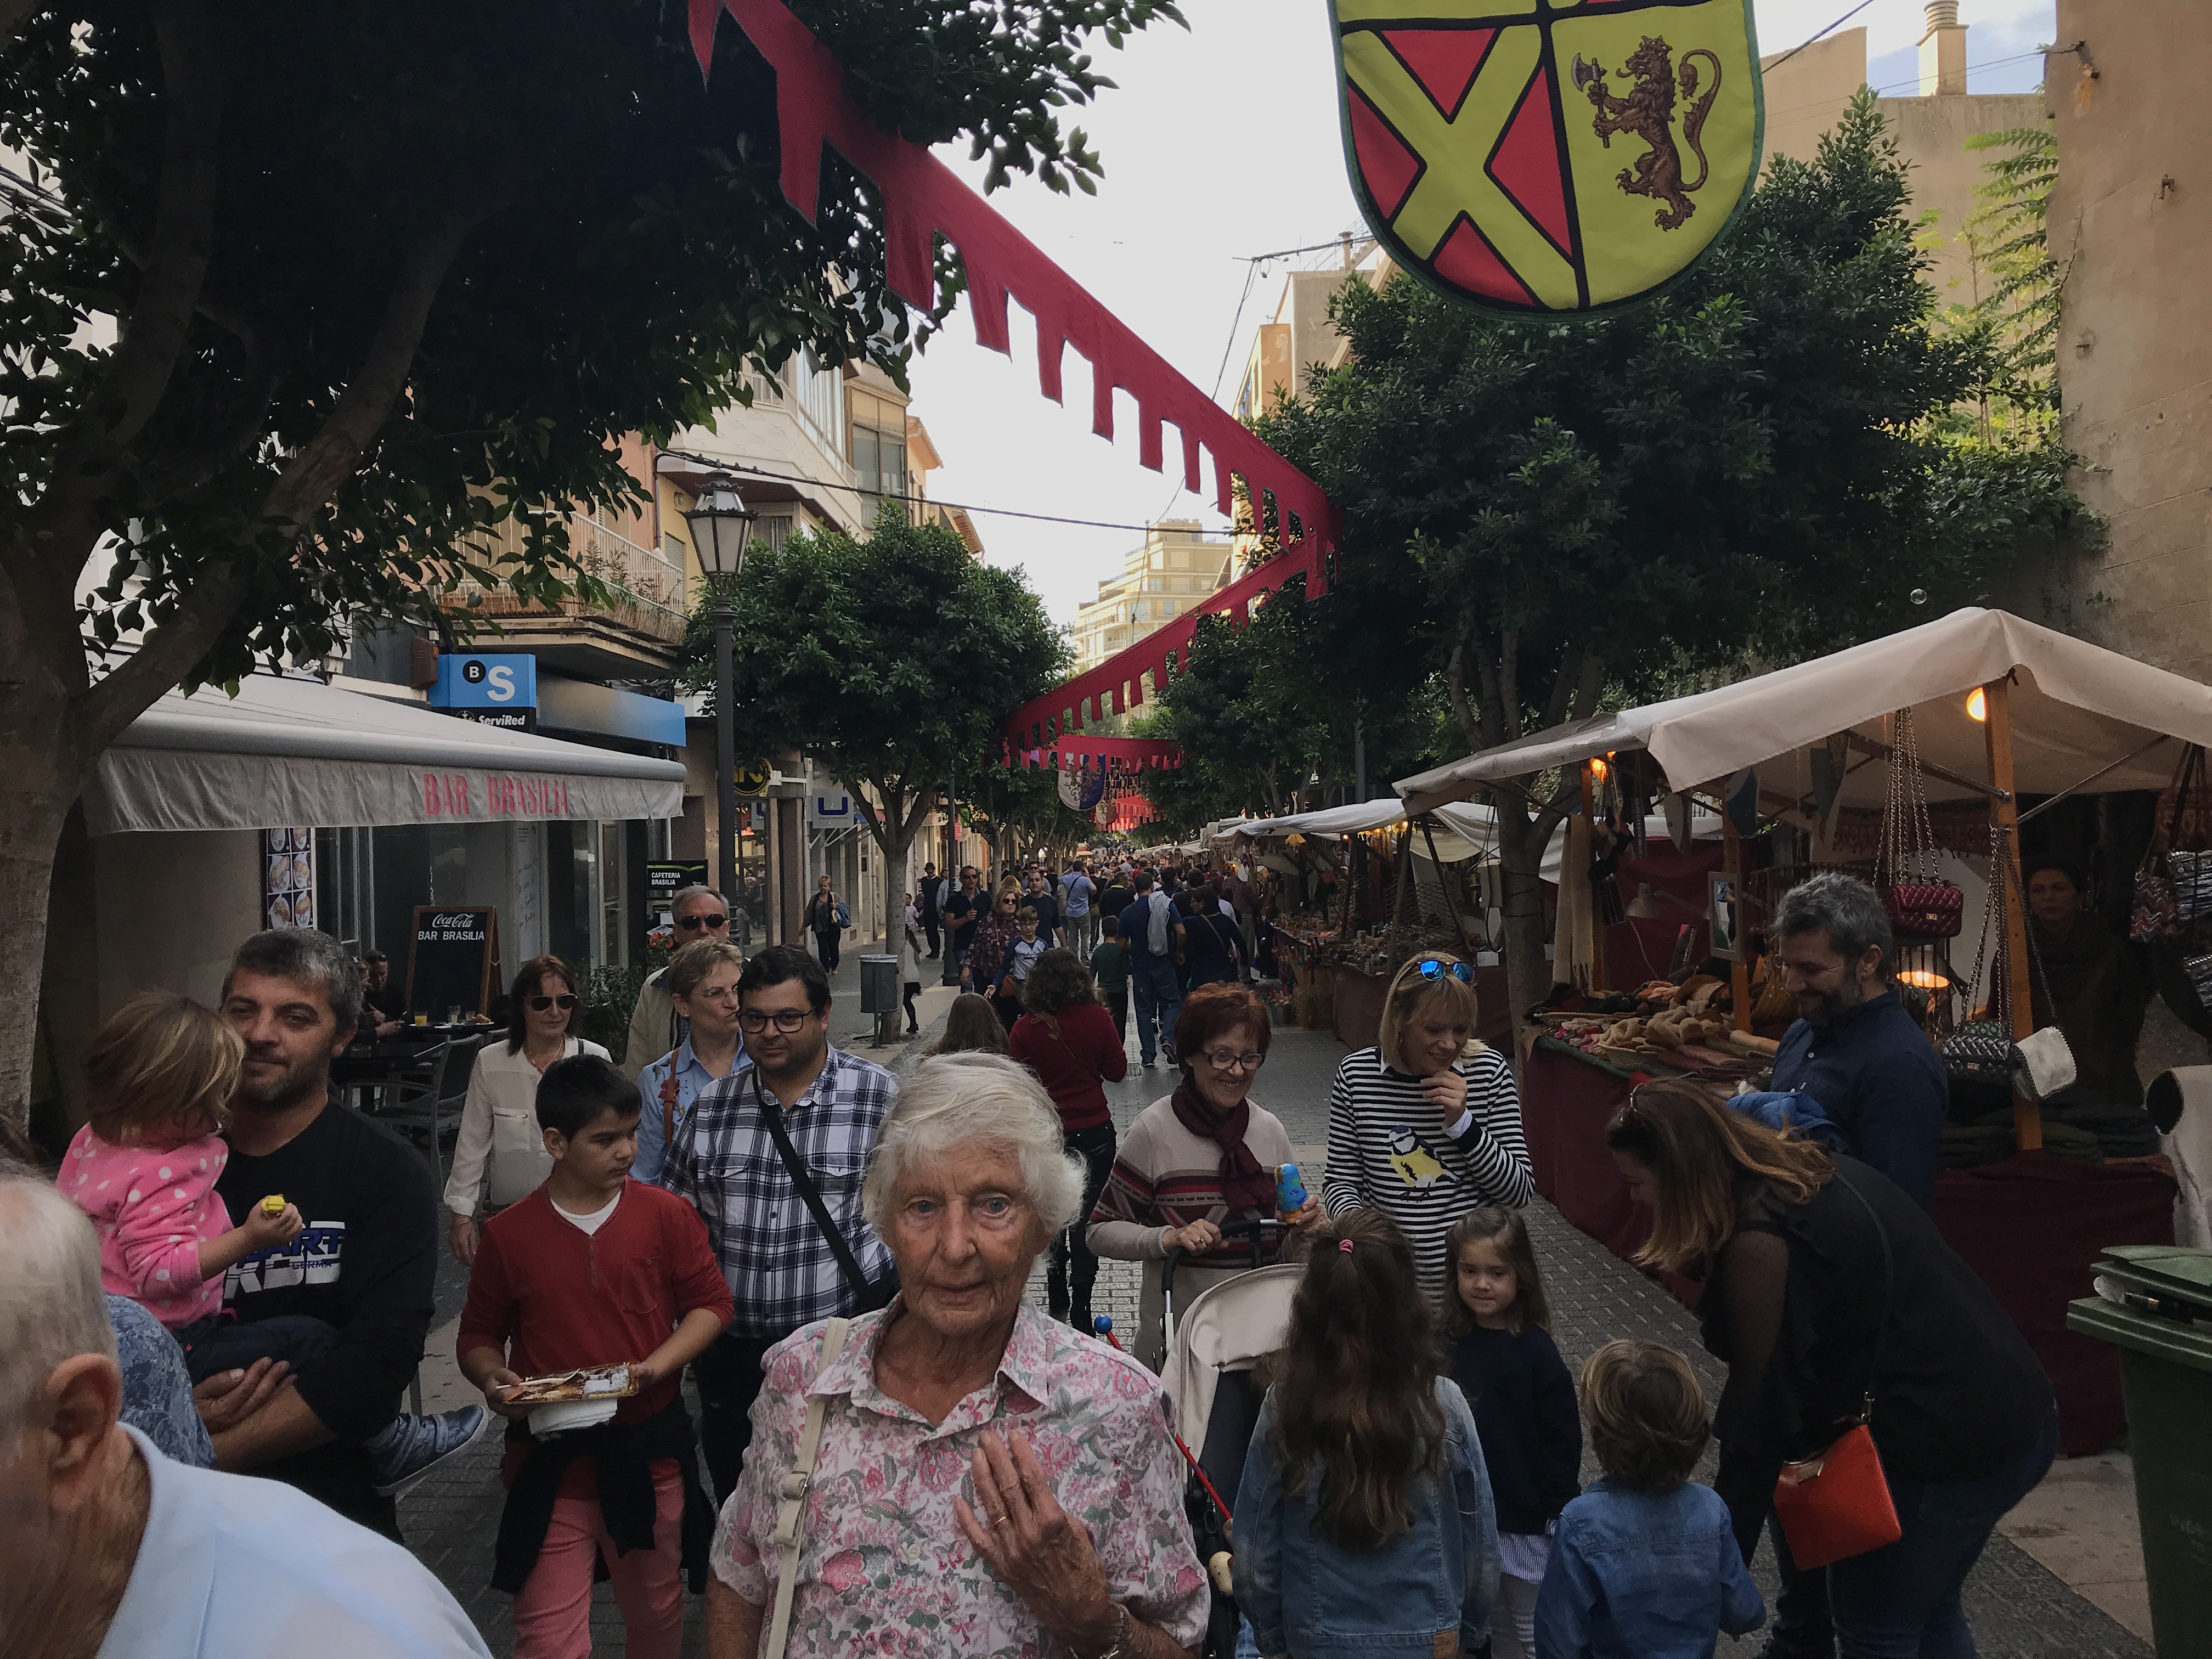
(1497, 1332)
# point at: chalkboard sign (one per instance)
(449, 960)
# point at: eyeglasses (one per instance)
(708, 922)
(1431, 969)
(565, 1001)
(1223, 1060)
(786, 1020)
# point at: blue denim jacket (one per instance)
(1306, 1596)
(1638, 1575)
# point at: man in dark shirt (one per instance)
(365, 1261)
(1855, 1048)
(1042, 899)
(931, 890)
(380, 995)
(959, 908)
(1117, 894)
(1152, 973)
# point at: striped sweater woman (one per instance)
(1417, 1131)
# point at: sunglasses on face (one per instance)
(708, 922)
(1433, 970)
(540, 1003)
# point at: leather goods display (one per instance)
(1837, 1505)
(1919, 905)
(1985, 1049)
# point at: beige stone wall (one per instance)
(1931, 135)
(1806, 96)
(2132, 224)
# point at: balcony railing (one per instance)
(646, 588)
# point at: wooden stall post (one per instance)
(2004, 813)
(1598, 974)
(1732, 862)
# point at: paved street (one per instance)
(2019, 1610)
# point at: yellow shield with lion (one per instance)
(1540, 156)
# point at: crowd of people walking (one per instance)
(896, 1450)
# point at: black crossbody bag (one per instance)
(869, 1294)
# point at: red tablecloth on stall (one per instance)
(2030, 1226)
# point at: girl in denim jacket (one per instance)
(1364, 1523)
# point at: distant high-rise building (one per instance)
(1177, 565)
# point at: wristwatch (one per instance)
(1121, 1649)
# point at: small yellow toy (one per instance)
(273, 1204)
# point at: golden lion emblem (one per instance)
(1648, 113)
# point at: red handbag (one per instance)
(1924, 909)
(1838, 1505)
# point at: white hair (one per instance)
(956, 1100)
(51, 1305)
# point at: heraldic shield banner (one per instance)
(1541, 156)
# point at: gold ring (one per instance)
(998, 1519)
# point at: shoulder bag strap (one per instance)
(810, 1195)
(791, 1511)
(1888, 1286)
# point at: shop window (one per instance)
(613, 940)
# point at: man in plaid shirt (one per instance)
(783, 1270)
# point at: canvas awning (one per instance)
(2082, 715)
(294, 751)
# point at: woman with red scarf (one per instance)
(1202, 1157)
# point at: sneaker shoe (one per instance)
(1146, 1062)
(410, 1447)
(1168, 1052)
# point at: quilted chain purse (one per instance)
(1985, 1049)
(1919, 905)
(2159, 908)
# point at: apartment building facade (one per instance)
(1177, 567)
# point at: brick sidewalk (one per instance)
(2017, 1608)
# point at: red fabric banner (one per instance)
(923, 199)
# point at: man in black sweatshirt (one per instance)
(365, 1263)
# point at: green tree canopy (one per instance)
(894, 661)
(299, 296)
(1545, 510)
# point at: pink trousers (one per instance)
(553, 1611)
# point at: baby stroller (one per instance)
(1214, 1394)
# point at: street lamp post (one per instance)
(720, 527)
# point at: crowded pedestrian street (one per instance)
(1105, 829)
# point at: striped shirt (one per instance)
(781, 1270)
(1387, 1149)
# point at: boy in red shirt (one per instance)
(595, 1269)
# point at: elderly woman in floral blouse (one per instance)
(988, 1482)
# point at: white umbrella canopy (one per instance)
(2076, 709)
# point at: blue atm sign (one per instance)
(496, 688)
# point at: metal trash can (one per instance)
(880, 986)
(2155, 1306)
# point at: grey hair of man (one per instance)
(1844, 907)
(51, 1306)
(964, 1100)
(684, 895)
(302, 956)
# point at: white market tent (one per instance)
(1464, 829)
(2079, 714)
(290, 750)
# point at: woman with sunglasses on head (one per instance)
(1426, 1124)
(499, 1156)
(1200, 1158)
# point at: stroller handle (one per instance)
(1253, 1228)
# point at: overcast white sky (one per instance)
(1219, 145)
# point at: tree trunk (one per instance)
(1521, 857)
(33, 809)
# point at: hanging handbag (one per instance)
(791, 1503)
(1920, 905)
(1985, 1050)
(2157, 913)
(1838, 1505)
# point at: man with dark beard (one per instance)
(1855, 1048)
(365, 1261)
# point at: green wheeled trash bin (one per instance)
(2155, 1305)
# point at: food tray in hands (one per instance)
(562, 1387)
